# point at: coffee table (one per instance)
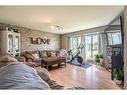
(48, 61)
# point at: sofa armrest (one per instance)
(31, 64)
(43, 73)
(20, 58)
(29, 59)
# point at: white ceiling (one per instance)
(71, 18)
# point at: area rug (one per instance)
(87, 65)
(84, 65)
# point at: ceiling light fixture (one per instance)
(57, 27)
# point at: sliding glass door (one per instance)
(91, 46)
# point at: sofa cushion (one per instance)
(48, 53)
(43, 54)
(31, 64)
(20, 58)
(57, 53)
(28, 56)
(31, 54)
(8, 58)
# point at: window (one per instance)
(92, 45)
(75, 41)
(114, 38)
(88, 46)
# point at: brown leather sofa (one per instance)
(41, 58)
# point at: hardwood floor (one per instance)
(90, 78)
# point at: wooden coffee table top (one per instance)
(50, 59)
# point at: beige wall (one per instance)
(27, 33)
(125, 47)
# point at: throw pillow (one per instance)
(63, 53)
(35, 56)
(53, 54)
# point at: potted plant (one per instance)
(101, 58)
(97, 59)
(118, 75)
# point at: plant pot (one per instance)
(117, 81)
(101, 61)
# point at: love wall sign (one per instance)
(39, 40)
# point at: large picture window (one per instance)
(114, 38)
(75, 41)
(92, 45)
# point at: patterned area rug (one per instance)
(86, 65)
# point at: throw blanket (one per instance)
(20, 76)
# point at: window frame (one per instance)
(99, 45)
(111, 32)
(71, 41)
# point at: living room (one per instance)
(50, 32)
